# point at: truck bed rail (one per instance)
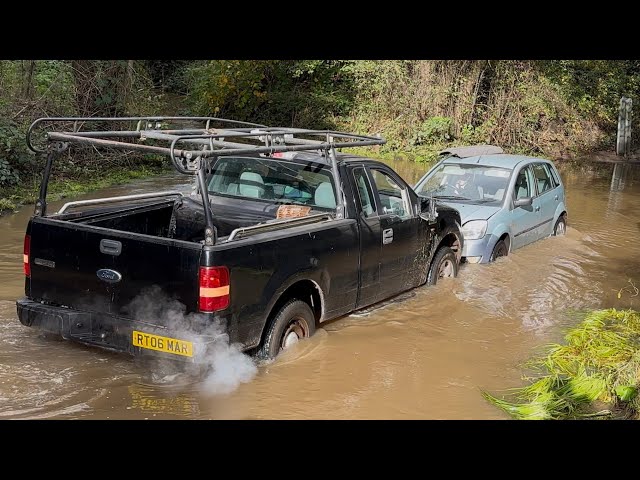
(122, 198)
(276, 225)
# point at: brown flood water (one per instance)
(427, 354)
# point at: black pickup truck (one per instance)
(282, 234)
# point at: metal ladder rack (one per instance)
(188, 141)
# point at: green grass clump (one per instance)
(595, 374)
(6, 204)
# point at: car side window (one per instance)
(394, 199)
(554, 175)
(524, 184)
(543, 179)
(364, 192)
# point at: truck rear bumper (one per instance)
(117, 333)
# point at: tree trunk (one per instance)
(28, 68)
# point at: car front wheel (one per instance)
(500, 250)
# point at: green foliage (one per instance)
(8, 176)
(626, 392)
(277, 92)
(54, 82)
(594, 87)
(220, 87)
(6, 204)
(168, 75)
(434, 129)
(553, 108)
(14, 156)
(514, 104)
(599, 364)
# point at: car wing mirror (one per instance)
(523, 202)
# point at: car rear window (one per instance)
(275, 180)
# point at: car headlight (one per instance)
(474, 229)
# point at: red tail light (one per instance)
(25, 256)
(214, 288)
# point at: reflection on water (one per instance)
(424, 354)
(149, 400)
(622, 173)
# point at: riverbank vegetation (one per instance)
(594, 374)
(558, 109)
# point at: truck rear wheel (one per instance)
(444, 265)
(293, 322)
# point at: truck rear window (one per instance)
(274, 180)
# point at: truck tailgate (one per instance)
(102, 270)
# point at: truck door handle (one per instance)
(387, 236)
(110, 247)
(537, 208)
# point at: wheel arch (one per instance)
(501, 232)
(304, 289)
(561, 210)
(449, 236)
(507, 238)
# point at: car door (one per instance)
(370, 239)
(400, 226)
(548, 198)
(524, 220)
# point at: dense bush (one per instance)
(276, 92)
(14, 156)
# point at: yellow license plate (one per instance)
(162, 344)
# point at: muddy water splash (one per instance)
(425, 354)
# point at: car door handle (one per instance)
(556, 198)
(537, 208)
(387, 236)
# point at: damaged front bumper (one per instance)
(116, 333)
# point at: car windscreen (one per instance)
(274, 180)
(466, 183)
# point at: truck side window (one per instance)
(393, 198)
(364, 192)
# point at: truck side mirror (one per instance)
(428, 209)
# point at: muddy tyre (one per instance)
(293, 322)
(444, 265)
(561, 226)
(499, 250)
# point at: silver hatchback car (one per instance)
(505, 201)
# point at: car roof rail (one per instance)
(471, 151)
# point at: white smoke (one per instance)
(226, 365)
(231, 367)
